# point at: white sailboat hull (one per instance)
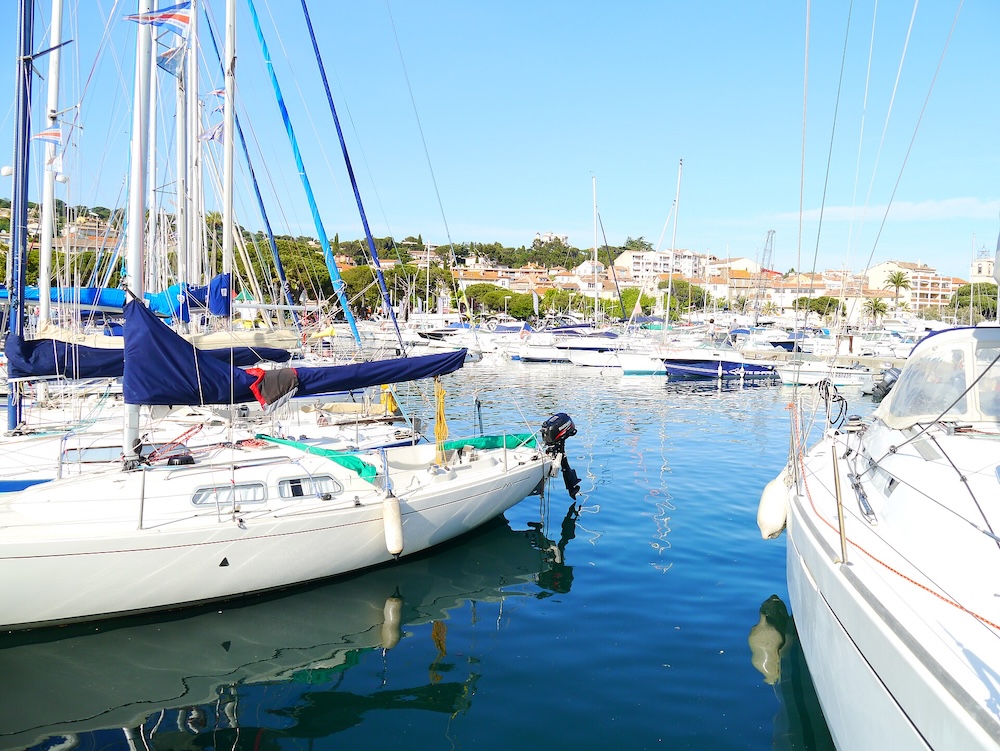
(121, 542)
(894, 665)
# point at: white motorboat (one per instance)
(808, 371)
(892, 547)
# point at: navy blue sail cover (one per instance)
(42, 358)
(47, 358)
(163, 368)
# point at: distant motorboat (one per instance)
(713, 361)
(808, 371)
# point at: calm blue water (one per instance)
(619, 623)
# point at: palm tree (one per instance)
(876, 308)
(770, 309)
(897, 280)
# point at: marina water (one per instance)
(649, 614)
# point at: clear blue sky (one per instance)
(520, 104)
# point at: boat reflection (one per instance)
(286, 656)
(718, 385)
(776, 654)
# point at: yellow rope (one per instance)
(440, 424)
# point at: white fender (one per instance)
(392, 626)
(772, 511)
(392, 521)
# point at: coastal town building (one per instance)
(928, 291)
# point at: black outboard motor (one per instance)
(555, 431)
(883, 387)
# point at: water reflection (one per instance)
(700, 386)
(777, 656)
(273, 668)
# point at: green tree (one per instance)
(896, 281)
(685, 296)
(980, 298)
(824, 305)
(638, 244)
(875, 308)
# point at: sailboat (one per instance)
(155, 530)
(890, 529)
(893, 538)
(251, 516)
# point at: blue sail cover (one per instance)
(163, 368)
(45, 358)
(220, 301)
(171, 302)
(42, 358)
(101, 297)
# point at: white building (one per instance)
(644, 264)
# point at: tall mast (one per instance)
(48, 223)
(151, 203)
(593, 181)
(673, 241)
(135, 225)
(19, 202)
(228, 128)
(181, 124)
(194, 183)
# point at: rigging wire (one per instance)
(354, 182)
(420, 128)
(916, 126)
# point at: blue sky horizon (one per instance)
(487, 123)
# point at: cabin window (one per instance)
(228, 495)
(313, 485)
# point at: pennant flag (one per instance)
(217, 92)
(171, 60)
(50, 135)
(212, 134)
(176, 18)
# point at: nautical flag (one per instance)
(212, 134)
(171, 60)
(177, 18)
(217, 92)
(50, 135)
(534, 301)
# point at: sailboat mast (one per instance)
(151, 262)
(673, 242)
(181, 121)
(194, 181)
(593, 181)
(48, 223)
(135, 225)
(19, 212)
(228, 141)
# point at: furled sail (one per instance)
(162, 368)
